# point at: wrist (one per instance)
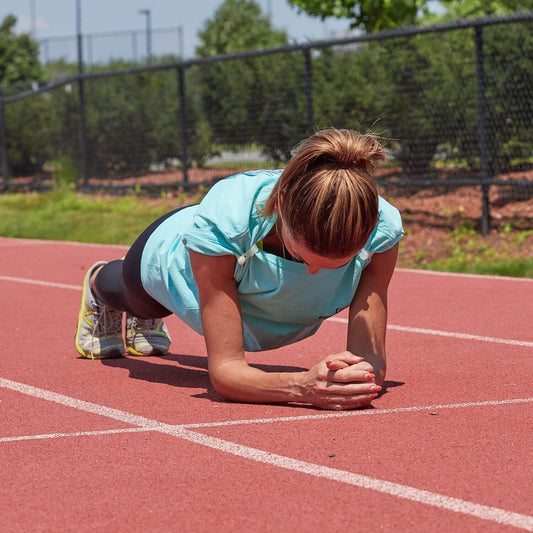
(297, 385)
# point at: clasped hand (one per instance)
(341, 381)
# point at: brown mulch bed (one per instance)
(430, 219)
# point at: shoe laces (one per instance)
(108, 320)
(143, 324)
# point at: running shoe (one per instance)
(146, 336)
(99, 328)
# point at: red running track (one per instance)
(146, 444)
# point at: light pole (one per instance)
(32, 17)
(79, 36)
(148, 13)
(81, 93)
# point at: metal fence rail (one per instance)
(452, 103)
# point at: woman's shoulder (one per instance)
(388, 230)
(228, 218)
(250, 184)
(389, 216)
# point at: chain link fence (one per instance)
(452, 104)
(100, 48)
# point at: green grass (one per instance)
(470, 253)
(516, 268)
(65, 215)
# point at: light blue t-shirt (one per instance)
(281, 302)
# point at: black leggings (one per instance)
(118, 284)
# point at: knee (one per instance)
(108, 284)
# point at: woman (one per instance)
(260, 263)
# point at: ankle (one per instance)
(92, 281)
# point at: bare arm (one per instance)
(367, 322)
(229, 372)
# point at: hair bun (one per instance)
(343, 148)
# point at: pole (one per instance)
(180, 43)
(482, 133)
(46, 52)
(148, 15)
(89, 45)
(149, 36)
(81, 91)
(3, 142)
(134, 45)
(33, 19)
(183, 121)
(79, 36)
(308, 89)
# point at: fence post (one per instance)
(485, 177)
(83, 132)
(309, 90)
(183, 121)
(3, 142)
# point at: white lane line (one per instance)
(77, 434)
(466, 336)
(494, 514)
(457, 505)
(461, 275)
(30, 242)
(40, 282)
(362, 412)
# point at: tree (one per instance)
(19, 55)
(249, 100)
(370, 15)
(480, 8)
(238, 25)
(375, 15)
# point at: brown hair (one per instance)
(326, 195)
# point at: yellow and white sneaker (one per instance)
(99, 328)
(146, 336)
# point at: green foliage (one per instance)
(29, 125)
(375, 15)
(59, 69)
(469, 252)
(419, 93)
(251, 100)
(238, 25)
(370, 15)
(19, 55)
(64, 172)
(401, 90)
(509, 85)
(479, 8)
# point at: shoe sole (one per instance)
(115, 354)
(133, 351)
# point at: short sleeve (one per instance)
(227, 220)
(388, 230)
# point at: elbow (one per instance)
(225, 384)
(380, 378)
(380, 373)
(222, 388)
